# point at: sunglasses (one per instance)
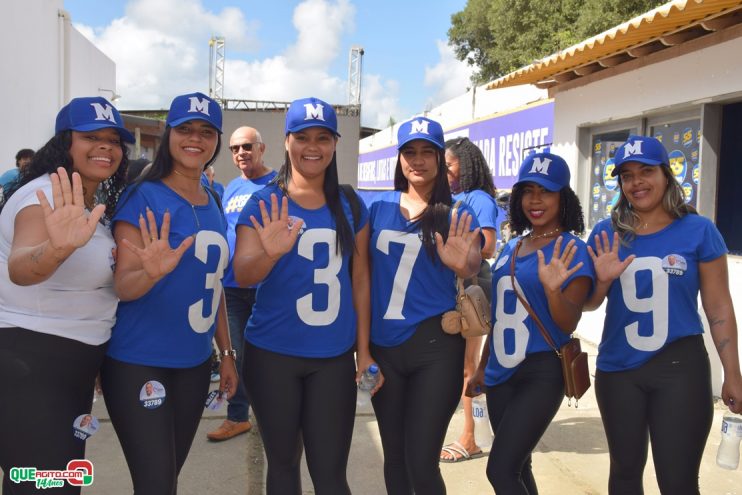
(245, 147)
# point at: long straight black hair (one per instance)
(434, 218)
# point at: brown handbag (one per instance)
(574, 362)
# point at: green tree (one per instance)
(500, 36)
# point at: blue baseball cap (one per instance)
(311, 112)
(546, 169)
(642, 149)
(195, 106)
(420, 128)
(91, 114)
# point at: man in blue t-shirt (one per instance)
(247, 150)
(22, 158)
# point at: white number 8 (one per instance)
(514, 321)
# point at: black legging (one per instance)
(669, 400)
(520, 410)
(422, 387)
(309, 399)
(45, 383)
(155, 441)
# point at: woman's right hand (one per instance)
(608, 266)
(279, 231)
(157, 257)
(67, 225)
(475, 385)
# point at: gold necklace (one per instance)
(546, 234)
(186, 176)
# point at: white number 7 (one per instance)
(412, 245)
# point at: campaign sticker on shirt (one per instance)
(500, 262)
(85, 426)
(293, 220)
(152, 394)
(674, 264)
(214, 400)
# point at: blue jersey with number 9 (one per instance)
(655, 301)
(304, 307)
(173, 323)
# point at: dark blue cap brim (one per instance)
(301, 127)
(125, 134)
(415, 138)
(645, 161)
(177, 122)
(545, 183)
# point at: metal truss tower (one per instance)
(216, 68)
(355, 69)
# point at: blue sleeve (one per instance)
(484, 207)
(131, 205)
(713, 244)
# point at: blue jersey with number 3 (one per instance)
(304, 307)
(173, 323)
(514, 333)
(407, 286)
(655, 301)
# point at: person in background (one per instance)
(519, 371)
(419, 244)
(652, 258)
(301, 240)
(22, 158)
(207, 179)
(57, 302)
(471, 182)
(247, 148)
(172, 252)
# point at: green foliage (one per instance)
(500, 36)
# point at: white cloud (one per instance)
(160, 48)
(449, 78)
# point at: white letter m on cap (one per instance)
(201, 106)
(314, 112)
(103, 113)
(540, 166)
(634, 148)
(419, 126)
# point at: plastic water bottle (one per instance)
(369, 379)
(731, 433)
(482, 430)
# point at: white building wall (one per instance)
(686, 82)
(45, 62)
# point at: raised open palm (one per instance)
(279, 231)
(608, 266)
(67, 224)
(557, 271)
(454, 252)
(157, 257)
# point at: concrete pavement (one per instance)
(572, 458)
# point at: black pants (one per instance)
(520, 411)
(669, 400)
(155, 441)
(421, 391)
(45, 383)
(309, 401)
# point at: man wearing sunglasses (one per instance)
(247, 150)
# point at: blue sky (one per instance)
(280, 50)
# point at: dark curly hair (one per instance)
(56, 153)
(570, 211)
(345, 240)
(434, 218)
(474, 173)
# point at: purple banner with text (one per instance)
(504, 140)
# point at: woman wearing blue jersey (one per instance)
(307, 247)
(419, 244)
(171, 300)
(521, 372)
(652, 257)
(470, 180)
(57, 303)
